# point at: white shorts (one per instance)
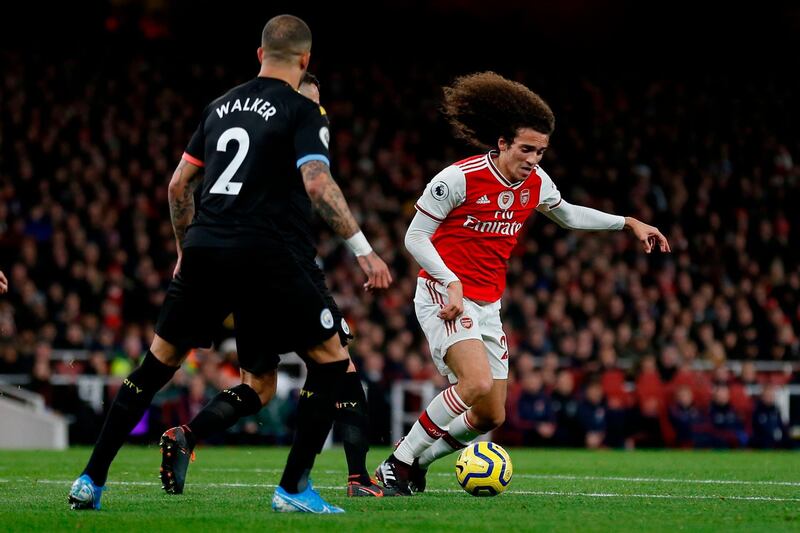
(481, 322)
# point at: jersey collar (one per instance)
(499, 175)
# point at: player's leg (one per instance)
(455, 346)
(315, 414)
(351, 422)
(227, 407)
(468, 361)
(160, 363)
(279, 309)
(191, 306)
(223, 411)
(485, 415)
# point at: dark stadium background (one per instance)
(683, 114)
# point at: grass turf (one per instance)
(552, 490)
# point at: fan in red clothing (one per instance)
(466, 226)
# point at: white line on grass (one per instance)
(661, 480)
(448, 491)
(563, 477)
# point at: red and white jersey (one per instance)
(480, 214)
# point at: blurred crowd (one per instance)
(87, 149)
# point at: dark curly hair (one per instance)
(485, 106)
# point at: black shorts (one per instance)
(279, 305)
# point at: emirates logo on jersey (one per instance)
(505, 199)
(502, 227)
(524, 197)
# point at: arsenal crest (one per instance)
(505, 199)
(524, 196)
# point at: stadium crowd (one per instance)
(86, 152)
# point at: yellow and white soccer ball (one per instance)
(484, 469)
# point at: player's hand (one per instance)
(648, 235)
(455, 302)
(177, 265)
(3, 283)
(378, 276)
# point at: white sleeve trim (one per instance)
(418, 242)
(571, 216)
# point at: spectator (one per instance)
(534, 412)
(769, 428)
(688, 421)
(592, 415)
(727, 428)
(565, 409)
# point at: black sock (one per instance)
(223, 411)
(132, 401)
(315, 412)
(352, 424)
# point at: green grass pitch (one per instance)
(552, 490)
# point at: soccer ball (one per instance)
(483, 469)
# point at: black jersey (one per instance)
(296, 225)
(252, 141)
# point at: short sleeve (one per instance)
(549, 195)
(312, 135)
(195, 151)
(446, 191)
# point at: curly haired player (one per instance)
(462, 236)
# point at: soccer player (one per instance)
(466, 225)
(255, 149)
(351, 417)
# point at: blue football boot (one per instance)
(308, 501)
(84, 494)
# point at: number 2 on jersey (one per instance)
(224, 185)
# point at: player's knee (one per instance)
(265, 393)
(329, 351)
(473, 389)
(263, 385)
(166, 352)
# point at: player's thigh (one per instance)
(468, 361)
(279, 309)
(488, 412)
(494, 339)
(441, 334)
(195, 304)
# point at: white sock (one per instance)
(459, 434)
(431, 425)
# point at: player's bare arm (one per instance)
(327, 198)
(181, 202)
(329, 202)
